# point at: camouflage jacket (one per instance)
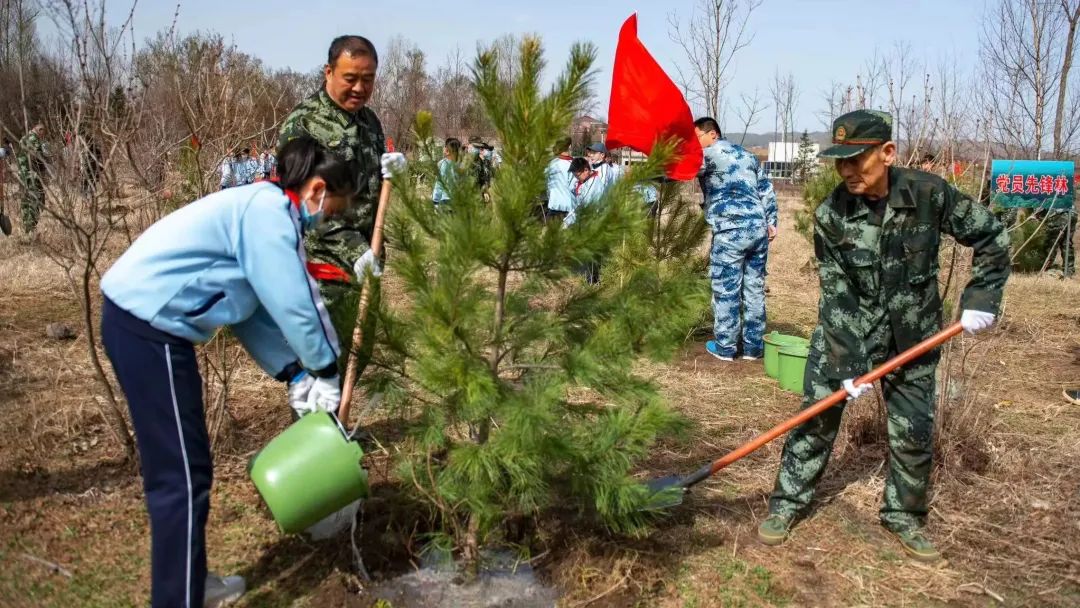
(737, 192)
(881, 281)
(358, 138)
(31, 157)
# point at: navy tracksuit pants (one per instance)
(159, 375)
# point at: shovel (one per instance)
(668, 491)
(361, 313)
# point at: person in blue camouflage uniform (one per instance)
(876, 239)
(740, 206)
(337, 116)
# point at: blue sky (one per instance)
(816, 40)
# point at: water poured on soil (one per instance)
(503, 582)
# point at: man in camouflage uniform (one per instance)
(31, 158)
(482, 168)
(740, 206)
(337, 116)
(1060, 234)
(876, 239)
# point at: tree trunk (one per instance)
(111, 409)
(496, 351)
(1066, 66)
(470, 553)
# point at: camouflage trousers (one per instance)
(342, 300)
(33, 198)
(1060, 227)
(910, 407)
(737, 271)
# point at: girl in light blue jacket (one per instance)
(447, 172)
(234, 258)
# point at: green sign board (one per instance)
(1038, 184)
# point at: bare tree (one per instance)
(834, 104)
(1071, 14)
(82, 213)
(750, 107)
(711, 38)
(785, 96)
(1024, 46)
(402, 89)
(212, 100)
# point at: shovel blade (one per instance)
(664, 493)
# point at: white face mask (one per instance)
(309, 219)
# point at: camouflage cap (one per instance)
(857, 131)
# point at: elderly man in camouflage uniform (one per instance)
(740, 206)
(338, 117)
(31, 158)
(876, 238)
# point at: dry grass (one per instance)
(1007, 523)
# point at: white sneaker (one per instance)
(222, 590)
(749, 358)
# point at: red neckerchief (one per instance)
(565, 156)
(577, 188)
(319, 271)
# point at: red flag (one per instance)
(646, 106)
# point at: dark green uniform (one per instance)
(1060, 236)
(31, 159)
(358, 138)
(879, 296)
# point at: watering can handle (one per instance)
(361, 313)
(839, 396)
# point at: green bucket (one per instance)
(308, 472)
(774, 342)
(792, 364)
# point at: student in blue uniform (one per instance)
(560, 193)
(447, 171)
(234, 258)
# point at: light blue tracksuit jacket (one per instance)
(234, 258)
(560, 188)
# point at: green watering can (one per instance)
(309, 472)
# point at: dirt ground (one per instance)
(1005, 504)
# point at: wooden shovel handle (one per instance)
(361, 313)
(839, 396)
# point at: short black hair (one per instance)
(579, 164)
(304, 158)
(708, 123)
(353, 45)
(561, 145)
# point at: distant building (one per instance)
(587, 127)
(780, 163)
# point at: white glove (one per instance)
(854, 392)
(366, 262)
(392, 162)
(975, 321)
(299, 387)
(325, 394)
